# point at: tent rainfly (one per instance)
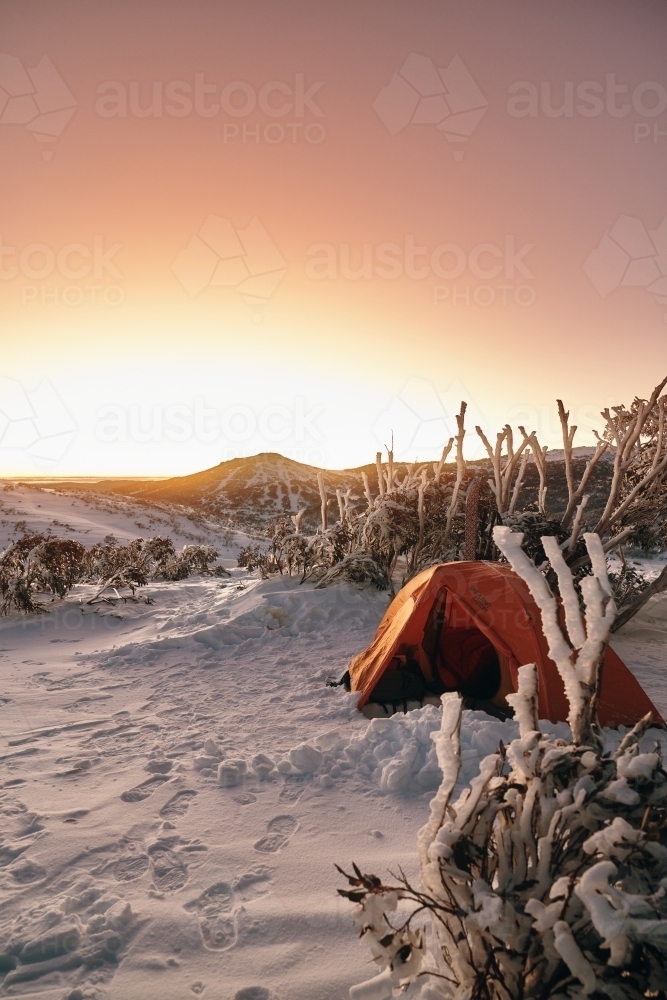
(468, 627)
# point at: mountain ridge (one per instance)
(250, 492)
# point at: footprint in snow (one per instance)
(253, 883)
(294, 788)
(280, 829)
(217, 919)
(178, 804)
(9, 853)
(219, 906)
(146, 788)
(159, 766)
(26, 871)
(168, 871)
(131, 866)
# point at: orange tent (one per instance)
(451, 617)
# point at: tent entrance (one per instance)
(461, 659)
(402, 686)
(468, 662)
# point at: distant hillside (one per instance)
(250, 492)
(253, 491)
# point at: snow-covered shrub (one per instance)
(113, 565)
(47, 564)
(357, 567)
(547, 877)
(162, 554)
(37, 563)
(329, 554)
(251, 557)
(414, 518)
(191, 559)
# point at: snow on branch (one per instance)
(448, 748)
(578, 654)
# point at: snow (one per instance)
(578, 676)
(569, 951)
(615, 840)
(642, 645)
(177, 779)
(89, 518)
(583, 451)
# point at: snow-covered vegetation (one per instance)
(547, 876)
(52, 542)
(429, 514)
(45, 564)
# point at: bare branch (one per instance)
(367, 489)
(438, 466)
(540, 455)
(576, 527)
(625, 436)
(460, 471)
(378, 466)
(323, 498)
(577, 494)
(519, 481)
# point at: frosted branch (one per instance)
(448, 749)
(580, 673)
(524, 701)
(567, 592)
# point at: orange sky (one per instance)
(189, 189)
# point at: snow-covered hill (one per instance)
(90, 516)
(246, 491)
(249, 493)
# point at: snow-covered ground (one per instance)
(90, 517)
(177, 782)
